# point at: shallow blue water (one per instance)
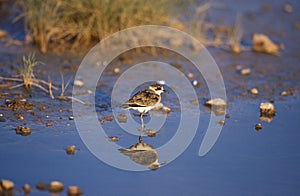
(243, 161)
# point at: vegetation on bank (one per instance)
(75, 23)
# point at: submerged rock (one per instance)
(108, 118)
(122, 118)
(27, 189)
(150, 132)
(227, 115)
(221, 122)
(74, 191)
(113, 138)
(42, 186)
(56, 187)
(262, 43)
(70, 150)
(258, 126)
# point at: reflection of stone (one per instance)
(143, 154)
(217, 105)
(266, 118)
(150, 132)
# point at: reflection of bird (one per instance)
(145, 100)
(143, 154)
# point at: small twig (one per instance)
(44, 82)
(11, 79)
(50, 89)
(39, 86)
(16, 86)
(75, 99)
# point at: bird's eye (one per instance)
(158, 88)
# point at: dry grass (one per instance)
(77, 23)
(236, 35)
(26, 77)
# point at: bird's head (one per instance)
(157, 88)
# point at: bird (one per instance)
(145, 100)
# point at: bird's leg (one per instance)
(140, 139)
(142, 120)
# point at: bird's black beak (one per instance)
(165, 91)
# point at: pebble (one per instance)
(122, 118)
(245, 71)
(71, 118)
(166, 110)
(113, 138)
(89, 92)
(42, 186)
(24, 131)
(74, 191)
(8, 101)
(102, 121)
(27, 188)
(227, 115)
(222, 122)
(78, 83)
(190, 75)
(49, 124)
(70, 150)
(3, 34)
(109, 118)
(288, 92)
(195, 102)
(288, 8)
(7, 184)
(216, 102)
(117, 70)
(262, 43)
(254, 91)
(161, 82)
(195, 83)
(150, 132)
(236, 49)
(258, 126)
(20, 117)
(267, 109)
(56, 187)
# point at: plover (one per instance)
(146, 100)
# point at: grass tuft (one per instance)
(74, 24)
(26, 71)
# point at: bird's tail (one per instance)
(125, 106)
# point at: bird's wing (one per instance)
(142, 99)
